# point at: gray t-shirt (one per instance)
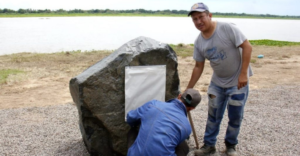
(221, 49)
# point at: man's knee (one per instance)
(182, 149)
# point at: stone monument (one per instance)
(99, 95)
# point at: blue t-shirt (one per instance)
(163, 126)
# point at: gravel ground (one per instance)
(270, 127)
(51, 130)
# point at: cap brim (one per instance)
(197, 10)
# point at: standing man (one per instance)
(229, 53)
(163, 126)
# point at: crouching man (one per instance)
(161, 128)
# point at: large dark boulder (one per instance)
(100, 97)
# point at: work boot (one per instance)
(205, 150)
(230, 150)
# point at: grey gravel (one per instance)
(270, 127)
(51, 130)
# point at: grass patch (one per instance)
(186, 50)
(273, 43)
(253, 60)
(63, 56)
(64, 60)
(4, 73)
(56, 64)
(183, 50)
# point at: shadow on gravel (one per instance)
(75, 148)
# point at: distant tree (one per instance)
(141, 10)
(107, 11)
(136, 11)
(60, 11)
(76, 11)
(31, 11)
(166, 11)
(5, 10)
(96, 11)
(21, 11)
(47, 11)
(40, 11)
(183, 12)
(174, 11)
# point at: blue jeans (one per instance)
(218, 99)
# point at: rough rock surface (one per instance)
(100, 97)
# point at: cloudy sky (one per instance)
(274, 7)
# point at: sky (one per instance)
(274, 7)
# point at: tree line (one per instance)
(133, 11)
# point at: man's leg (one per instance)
(216, 108)
(182, 149)
(236, 105)
(131, 136)
(217, 101)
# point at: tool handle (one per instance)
(193, 129)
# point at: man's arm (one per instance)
(197, 72)
(246, 56)
(134, 116)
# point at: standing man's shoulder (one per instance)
(232, 32)
(226, 25)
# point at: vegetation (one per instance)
(4, 73)
(253, 60)
(273, 43)
(64, 61)
(137, 12)
(185, 50)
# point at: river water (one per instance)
(56, 34)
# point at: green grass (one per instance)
(57, 56)
(253, 60)
(4, 73)
(186, 50)
(273, 43)
(183, 50)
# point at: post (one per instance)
(193, 129)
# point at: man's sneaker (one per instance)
(205, 150)
(231, 150)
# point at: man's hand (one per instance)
(243, 80)
(246, 56)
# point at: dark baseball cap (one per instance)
(191, 97)
(199, 7)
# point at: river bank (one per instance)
(45, 77)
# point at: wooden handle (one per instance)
(193, 129)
